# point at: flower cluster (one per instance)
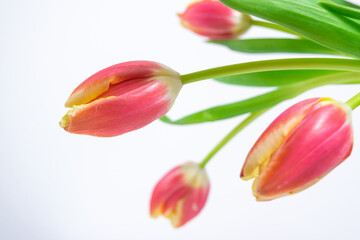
(300, 147)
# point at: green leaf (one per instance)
(343, 10)
(235, 109)
(280, 45)
(346, 3)
(309, 19)
(273, 78)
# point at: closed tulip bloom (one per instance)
(121, 98)
(214, 20)
(180, 194)
(300, 147)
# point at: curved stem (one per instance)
(230, 135)
(275, 27)
(340, 64)
(354, 102)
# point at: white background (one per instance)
(56, 185)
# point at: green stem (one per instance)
(275, 27)
(339, 64)
(230, 135)
(354, 102)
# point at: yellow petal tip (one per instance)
(65, 121)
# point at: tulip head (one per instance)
(300, 147)
(180, 194)
(121, 98)
(214, 20)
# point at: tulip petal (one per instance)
(273, 137)
(135, 104)
(100, 82)
(193, 204)
(169, 184)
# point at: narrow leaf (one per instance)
(308, 18)
(235, 109)
(346, 3)
(345, 11)
(273, 78)
(279, 45)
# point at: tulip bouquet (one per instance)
(128, 96)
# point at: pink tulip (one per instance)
(121, 98)
(180, 194)
(300, 147)
(214, 20)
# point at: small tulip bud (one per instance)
(180, 194)
(299, 147)
(121, 98)
(214, 20)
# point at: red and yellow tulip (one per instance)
(214, 20)
(300, 147)
(121, 98)
(180, 194)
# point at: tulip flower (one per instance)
(121, 98)
(213, 19)
(180, 194)
(300, 147)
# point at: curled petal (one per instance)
(102, 80)
(273, 137)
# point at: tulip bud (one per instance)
(121, 98)
(300, 147)
(180, 194)
(214, 20)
